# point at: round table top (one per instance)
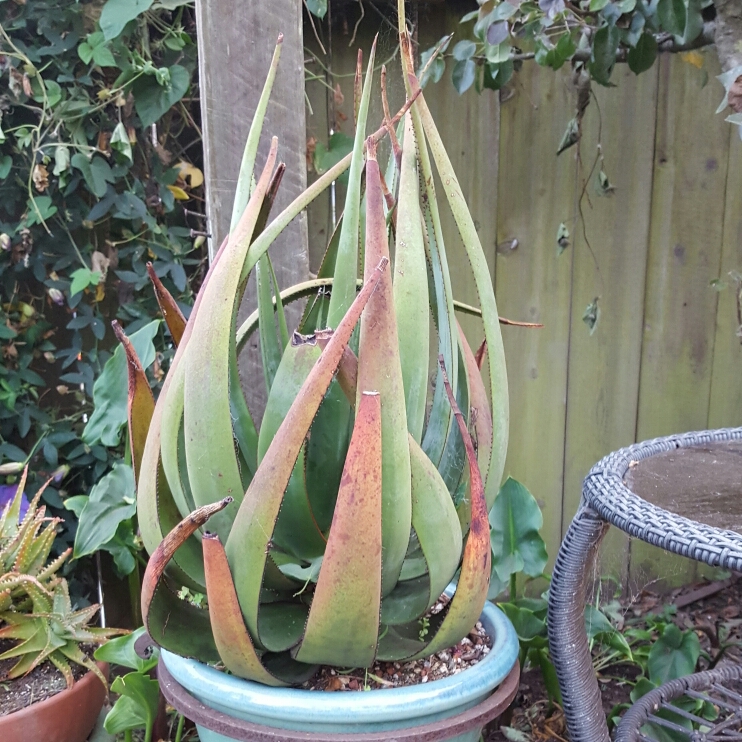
(702, 483)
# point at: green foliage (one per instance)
(87, 198)
(517, 546)
(591, 34)
(138, 692)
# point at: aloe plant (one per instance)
(35, 608)
(25, 546)
(334, 527)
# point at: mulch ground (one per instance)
(713, 610)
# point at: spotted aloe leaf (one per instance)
(169, 308)
(483, 282)
(230, 635)
(249, 539)
(348, 591)
(411, 290)
(346, 263)
(213, 467)
(434, 522)
(141, 403)
(157, 510)
(296, 530)
(380, 370)
(173, 623)
(471, 590)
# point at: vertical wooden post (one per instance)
(236, 40)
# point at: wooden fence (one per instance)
(664, 356)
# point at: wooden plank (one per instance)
(235, 46)
(604, 367)
(688, 197)
(725, 408)
(535, 194)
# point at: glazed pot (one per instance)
(68, 716)
(454, 709)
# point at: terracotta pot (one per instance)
(68, 716)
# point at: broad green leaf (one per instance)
(672, 16)
(348, 591)
(527, 625)
(326, 157)
(673, 655)
(112, 500)
(96, 172)
(6, 162)
(516, 520)
(497, 75)
(120, 651)
(464, 50)
(110, 391)
(643, 55)
(317, 7)
(117, 13)
(137, 705)
(152, 100)
(82, 278)
(463, 75)
(295, 531)
(603, 60)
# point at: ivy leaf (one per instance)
(96, 173)
(591, 315)
(110, 392)
(61, 160)
(117, 13)
(44, 207)
(6, 162)
(82, 278)
(603, 59)
(120, 142)
(317, 7)
(102, 57)
(153, 100)
(463, 75)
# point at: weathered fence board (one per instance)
(688, 197)
(604, 367)
(536, 192)
(235, 47)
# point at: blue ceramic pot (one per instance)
(353, 712)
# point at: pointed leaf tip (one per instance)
(169, 308)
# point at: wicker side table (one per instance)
(607, 500)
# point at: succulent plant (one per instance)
(336, 526)
(25, 546)
(52, 631)
(35, 607)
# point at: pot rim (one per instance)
(229, 693)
